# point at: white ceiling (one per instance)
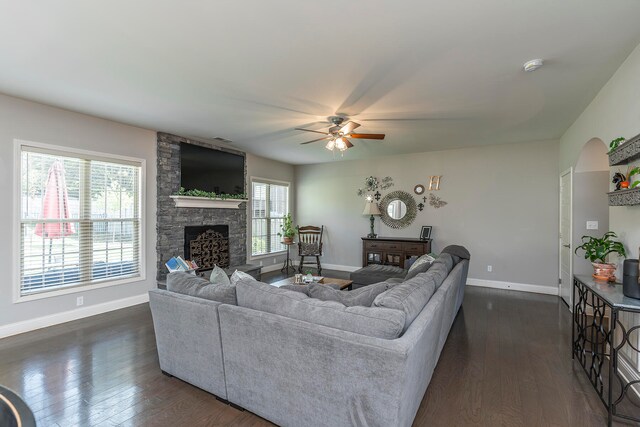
(250, 71)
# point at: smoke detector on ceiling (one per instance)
(532, 65)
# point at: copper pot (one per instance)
(287, 240)
(604, 271)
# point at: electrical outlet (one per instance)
(275, 260)
(592, 225)
(489, 268)
(79, 301)
(260, 263)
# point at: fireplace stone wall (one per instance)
(171, 221)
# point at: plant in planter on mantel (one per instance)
(287, 230)
(596, 250)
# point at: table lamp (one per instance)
(371, 208)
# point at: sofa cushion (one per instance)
(219, 276)
(376, 273)
(371, 321)
(363, 296)
(420, 265)
(410, 296)
(440, 268)
(189, 284)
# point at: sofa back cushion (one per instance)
(441, 268)
(410, 297)
(363, 296)
(189, 284)
(375, 322)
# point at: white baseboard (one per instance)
(511, 286)
(268, 268)
(67, 316)
(629, 373)
(340, 267)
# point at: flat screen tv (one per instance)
(211, 170)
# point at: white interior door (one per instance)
(566, 261)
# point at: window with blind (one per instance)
(269, 205)
(80, 220)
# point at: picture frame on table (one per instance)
(425, 232)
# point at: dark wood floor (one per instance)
(506, 363)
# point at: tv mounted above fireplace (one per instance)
(211, 170)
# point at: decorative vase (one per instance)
(287, 240)
(604, 271)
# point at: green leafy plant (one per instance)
(596, 249)
(615, 143)
(210, 194)
(287, 229)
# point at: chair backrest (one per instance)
(310, 240)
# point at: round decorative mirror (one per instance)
(398, 209)
(418, 189)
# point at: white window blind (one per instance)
(269, 205)
(80, 220)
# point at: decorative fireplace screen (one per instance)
(207, 245)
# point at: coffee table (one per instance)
(343, 283)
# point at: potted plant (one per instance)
(616, 143)
(596, 250)
(287, 230)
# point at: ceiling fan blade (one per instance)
(316, 140)
(349, 127)
(348, 143)
(310, 130)
(367, 135)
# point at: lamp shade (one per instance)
(371, 208)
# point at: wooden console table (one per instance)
(392, 250)
(598, 338)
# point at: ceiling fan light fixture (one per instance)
(341, 144)
(331, 144)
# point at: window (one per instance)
(269, 205)
(80, 220)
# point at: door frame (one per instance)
(562, 174)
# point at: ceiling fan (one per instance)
(338, 134)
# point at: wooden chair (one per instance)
(310, 245)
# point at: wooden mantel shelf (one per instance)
(203, 202)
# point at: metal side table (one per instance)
(598, 337)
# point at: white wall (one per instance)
(614, 112)
(30, 121)
(502, 205)
(261, 167)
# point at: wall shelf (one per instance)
(624, 197)
(626, 153)
(203, 202)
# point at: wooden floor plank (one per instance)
(506, 362)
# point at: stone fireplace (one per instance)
(174, 223)
(207, 245)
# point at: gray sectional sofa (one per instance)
(301, 361)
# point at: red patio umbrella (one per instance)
(55, 205)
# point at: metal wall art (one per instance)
(372, 184)
(398, 209)
(434, 182)
(436, 201)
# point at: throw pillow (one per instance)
(189, 284)
(457, 250)
(219, 277)
(363, 296)
(421, 265)
(240, 275)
